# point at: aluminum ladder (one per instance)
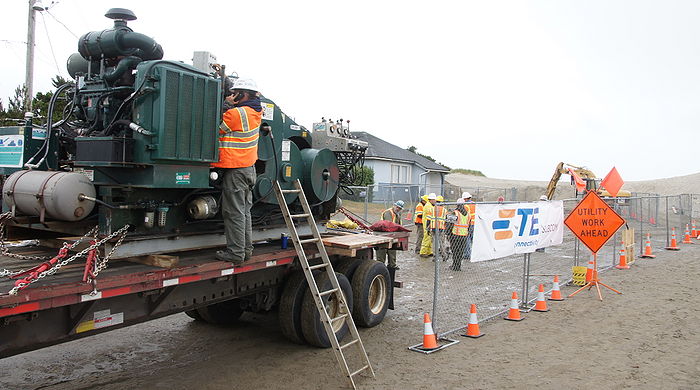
(338, 349)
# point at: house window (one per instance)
(400, 173)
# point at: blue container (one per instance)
(285, 241)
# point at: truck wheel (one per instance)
(290, 307)
(347, 266)
(194, 314)
(224, 313)
(371, 292)
(311, 325)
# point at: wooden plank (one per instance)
(356, 241)
(162, 261)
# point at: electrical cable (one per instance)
(61, 23)
(49, 127)
(48, 37)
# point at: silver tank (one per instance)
(58, 193)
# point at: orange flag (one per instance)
(580, 184)
(612, 182)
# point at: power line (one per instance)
(50, 44)
(61, 23)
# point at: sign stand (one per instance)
(594, 281)
(594, 222)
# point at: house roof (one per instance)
(380, 149)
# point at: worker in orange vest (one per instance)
(471, 206)
(418, 220)
(238, 151)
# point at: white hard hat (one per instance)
(466, 195)
(432, 196)
(248, 84)
(543, 197)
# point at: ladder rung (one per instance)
(317, 266)
(360, 370)
(308, 240)
(349, 344)
(328, 292)
(299, 215)
(290, 191)
(340, 317)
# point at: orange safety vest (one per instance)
(419, 213)
(394, 218)
(440, 215)
(238, 138)
(472, 211)
(461, 226)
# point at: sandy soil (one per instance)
(647, 338)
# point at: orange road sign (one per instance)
(593, 221)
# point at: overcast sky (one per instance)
(509, 88)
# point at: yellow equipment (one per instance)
(587, 175)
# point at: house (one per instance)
(399, 170)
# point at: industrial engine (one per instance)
(134, 145)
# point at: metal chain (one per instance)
(4, 251)
(82, 253)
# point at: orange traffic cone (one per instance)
(540, 303)
(652, 221)
(514, 312)
(623, 258)
(647, 248)
(674, 244)
(590, 271)
(686, 237)
(556, 293)
(473, 325)
(694, 231)
(429, 338)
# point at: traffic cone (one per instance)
(590, 271)
(540, 303)
(694, 232)
(647, 248)
(514, 312)
(473, 325)
(623, 258)
(429, 338)
(674, 244)
(686, 236)
(556, 293)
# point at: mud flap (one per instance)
(392, 274)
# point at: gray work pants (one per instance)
(419, 236)
(235, 208)
(384, 254)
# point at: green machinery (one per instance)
(134, 146)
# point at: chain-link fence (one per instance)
(459, 282)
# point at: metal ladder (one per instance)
(325, 264)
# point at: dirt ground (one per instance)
(647, 338)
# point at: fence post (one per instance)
(436, 259)
(667, 239)
(526, 278)
(641, 225)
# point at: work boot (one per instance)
(227, 255)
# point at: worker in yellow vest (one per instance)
(393, 214)
(418, 220)
(471, 206)
(426, 249)
(459, 234)
(439, 227)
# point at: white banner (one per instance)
(501, 230)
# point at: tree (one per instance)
(413, 149)
(362, 176)
(16, 108)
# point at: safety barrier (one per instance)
(458, 282)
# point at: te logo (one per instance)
(527, 217)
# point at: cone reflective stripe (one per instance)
(647, 248)
(686, 237)
(514, 311)
(674, 243)
(623, 258)
(473, 325)
(556, 293)
(694, 231)
(540, 303)
(429, 338)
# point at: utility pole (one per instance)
(29, 73)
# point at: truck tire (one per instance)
(290, 307)
(224, 313)
(347, 266)
(311, 325)
(371, 292)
